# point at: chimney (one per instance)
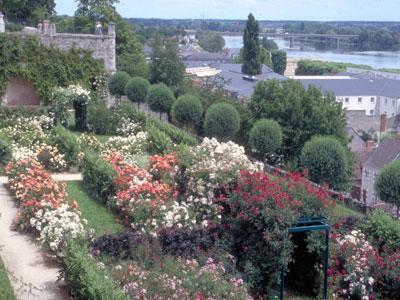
(2, 24)
(370, 145)
(383, 123)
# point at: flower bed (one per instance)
(43, 205)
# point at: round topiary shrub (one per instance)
(136, 89)
(387, 184)
(117, 83)
(187, 111)
(265, 137)
(222, 121)
(160, 98)
(326, 160)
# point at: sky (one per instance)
(314, 10)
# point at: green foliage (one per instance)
(31, 11)
(326, 160)
(222, 121)
(279, 61)
(67, 143)
(387, 184)
(265, 137)
(251, 49)
(136, 89)
(317, 67)
(269, 45)
(382, 230)
(98, 176)
(158, 141)
(100, 119)
(187, 111)
(166, 66)
(117, 83)
(210, 41)
(301, 113)
(160, 98)
(85, 279)
(45, 67)
(5, 150)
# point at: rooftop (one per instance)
(357, 87)
(387, 151)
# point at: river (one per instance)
(375, 59)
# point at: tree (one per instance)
(269, 45)
(251, 48)
(27, 11)
(187, 111)
(387, 184)
(265, 57)
(136, 89)
(222, 121)
(117, 83)
(326, 160)
(301, 113)
(160, 98)
(265, 137)
(166, 65)
(130, 56)
(95, 9)
(279, 61)
(211, 41)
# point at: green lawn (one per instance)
(98, 216)
(6, 291)
(343, 211)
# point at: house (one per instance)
(385, 153)
(371, 96)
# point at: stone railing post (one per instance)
(2, 24)
(111, 29)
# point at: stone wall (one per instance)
(101, 45)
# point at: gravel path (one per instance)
(32, 275)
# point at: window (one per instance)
(393, 103)
(371, 112)
(346, 100)
(360, 100)
(372, 99)
(385, 101)
(366, 173)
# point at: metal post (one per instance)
(282, 283)
(326, 264)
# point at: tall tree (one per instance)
(388, 184)
(251, 49)
(95, 9)
(166, 66)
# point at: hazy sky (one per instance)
(322, 10)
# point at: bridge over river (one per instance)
(296, 36)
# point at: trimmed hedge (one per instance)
(5, 150)
(98, 176)
(67, 143)
(85, 279)
(177, 135)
